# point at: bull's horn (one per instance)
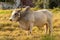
(27, 8)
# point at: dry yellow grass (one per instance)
(11, 31)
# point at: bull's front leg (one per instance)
(31, 26)
(31, 22)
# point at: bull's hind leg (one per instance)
(46, 31)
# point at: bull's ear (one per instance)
(27, 8)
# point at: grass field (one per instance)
(11, 31)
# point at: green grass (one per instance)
(5, 11)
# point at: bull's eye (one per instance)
(15, 13)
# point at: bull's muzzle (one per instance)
(10, 19)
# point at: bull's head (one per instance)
(16, 14)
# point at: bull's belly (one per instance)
(40, 23)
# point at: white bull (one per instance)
(28, 19)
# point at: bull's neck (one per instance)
(22, 18)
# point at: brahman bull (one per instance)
(28, 19)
